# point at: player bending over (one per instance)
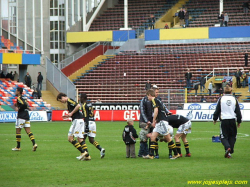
(160, 125)
(184, 127)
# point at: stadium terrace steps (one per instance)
(205, 13)
(89, 66)
(138, 14)
(123, 78)
(50, 98)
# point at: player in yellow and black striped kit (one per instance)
(90, 125)
(23, 120)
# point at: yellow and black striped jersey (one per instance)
(23, 108)
(88, 112)
(161, 109)
(71, 106)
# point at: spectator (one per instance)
(237, 75)
(224, 84)
(35, 94)
(202, 84)
(246, 58)
(39, 81)
(203, 99)
(188, 77)
(2, 75)
(16, 76)
(9, 75)
(181, 16)
(98, 101)
(221, 19)
(129, 136)
(248, 82)
(28, 79)
(196, 87)
(244, 79)
(210, 87)
(245, 7)
(226, 19)
(148, 85)
(180, 106)
(166, 26)
(151, 22)
(186, 17)
(39, 93)
(49, 114)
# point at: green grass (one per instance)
(54, 162)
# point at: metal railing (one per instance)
(77, 55)
(60, 81)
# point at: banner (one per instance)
(12, 115)
(104, 115)
(112, 106)
(207, 115)
(210, 106)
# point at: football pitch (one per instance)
(55, 164)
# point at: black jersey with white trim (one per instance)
(23, 108)
(177, 120)
(161, 109)
(71, 106)
(88, 112)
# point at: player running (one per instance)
(90, 125)
(77, 127)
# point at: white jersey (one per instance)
(227, 108)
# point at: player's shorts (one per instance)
(92, 129)
(185, 128)
(163, 128)
(20, 123)
(77, 128)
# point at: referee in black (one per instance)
(228, 111)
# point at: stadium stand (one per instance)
(138, 14)
(7, 95)
(122, 78)
(6, 46)
(205, 13)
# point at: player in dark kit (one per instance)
(161, 126)
(184, 127)
(90, 125)
(77, 127)
(23, 120)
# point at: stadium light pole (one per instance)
(34, 26)
(17, 28)
(42, 26)
(125, 14)
(67, 14)
(1, 19)
(9, 9)
(73, 12)
(221, 6)
(78, 11)
(83, 15)
(25, 25)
